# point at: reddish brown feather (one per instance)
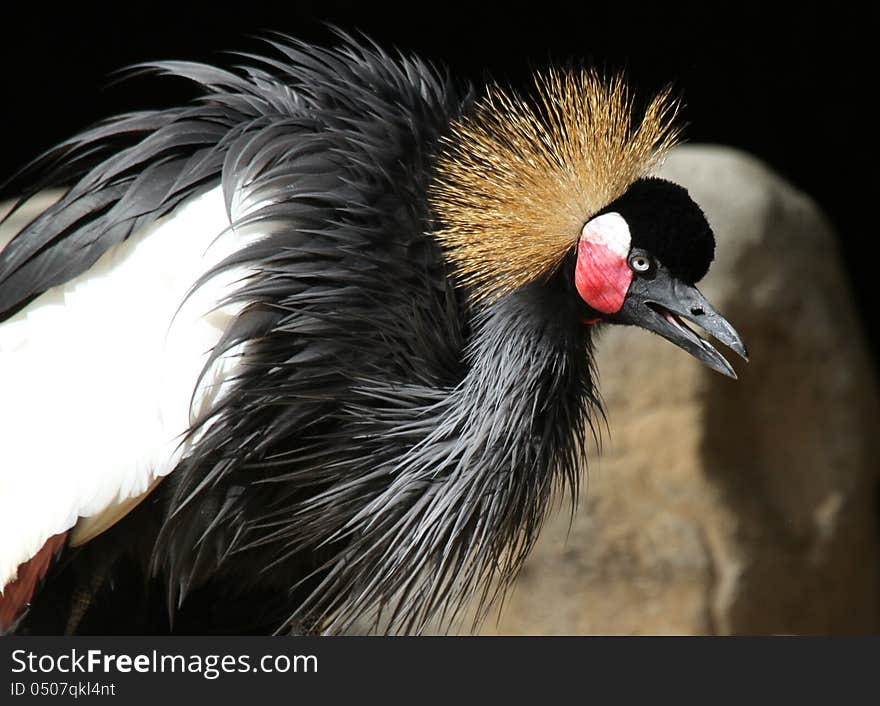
(17, 595)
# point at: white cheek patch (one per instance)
(609, 230)
(602, 275)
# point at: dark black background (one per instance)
(787, 83)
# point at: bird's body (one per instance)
(243, 388)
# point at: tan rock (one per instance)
(721, 506)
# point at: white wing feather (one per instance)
(96, 378)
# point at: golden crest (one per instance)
(517, 180)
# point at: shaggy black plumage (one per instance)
(387, 449)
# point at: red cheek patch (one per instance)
(602, 275)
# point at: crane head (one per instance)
(526, 187)
(637, 262)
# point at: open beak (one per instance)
(662, 304)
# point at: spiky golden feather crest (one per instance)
(517, 180)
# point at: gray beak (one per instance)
(662, 304)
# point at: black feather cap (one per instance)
(666, 222)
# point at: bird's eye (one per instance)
(640, 263)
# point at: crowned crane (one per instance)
(316, 347)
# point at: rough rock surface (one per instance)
(722, 507)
